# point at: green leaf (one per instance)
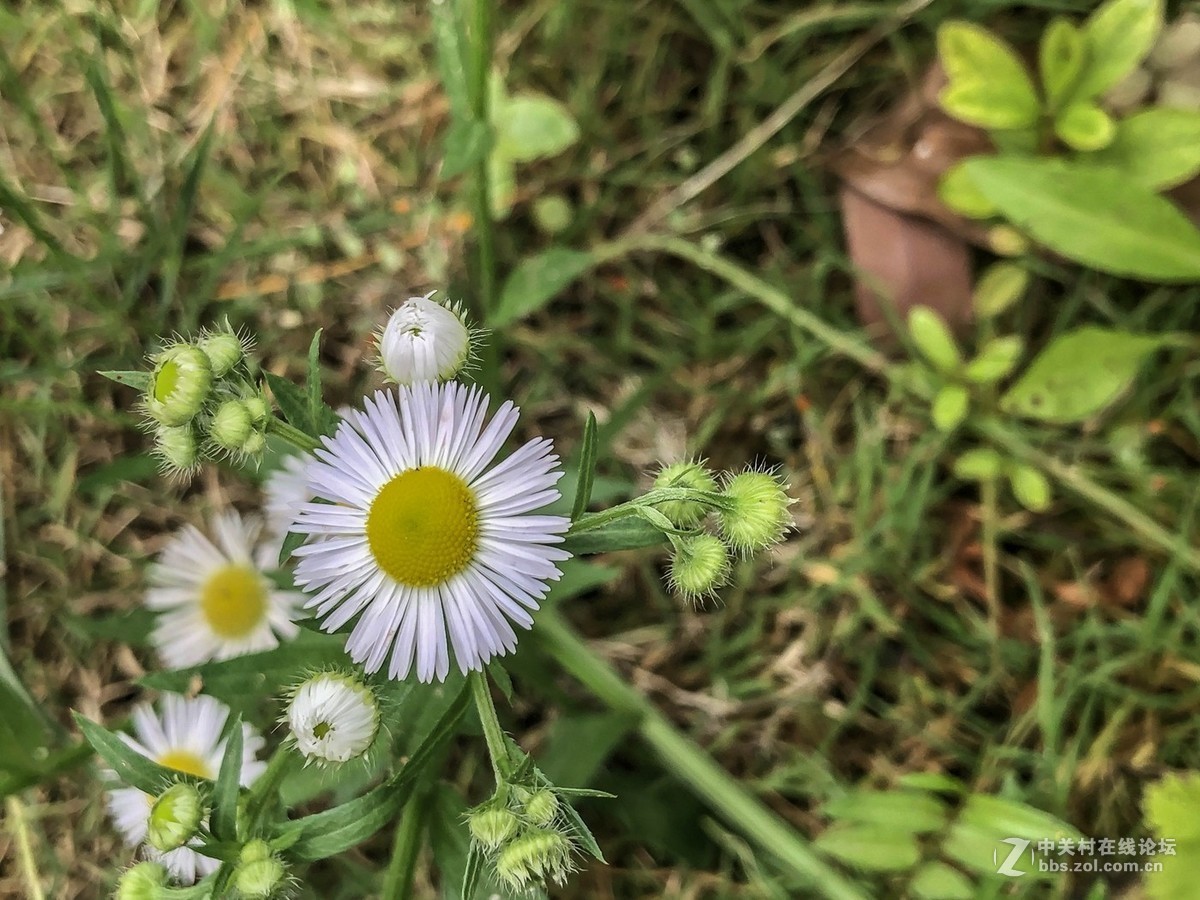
(938, 881)
(533, 126)
(870, 847)
(1170, 806)
(130, 766)
(536, 281)
(468, 141)
(1158, 147)
(979, 464)
(1061, 57)
(23, 732)
(291, 401)
(950, 406)
(138, 380)
(958, 191)
(995, 360)
(1079, 374)
(907, 812)
(1094, 216)
(451, 62)
(315, 400)
(1119, 35)
(1030, 487)
(1008, 818)
(623, 534)
(293, 540)
(587, 468)
(578, 745)
(933, 339)
(1000, 286)
(502, 177)
(473, 870)
(932, 781)
(989, 85)
(225, 794)
(1085, 126)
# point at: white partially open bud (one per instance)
(425, 341)
(333, 718)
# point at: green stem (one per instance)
(689, 763)
(497, 744)
(266, 784)
(398, 880)
(293, 435)
(19, 828)
(481, 68)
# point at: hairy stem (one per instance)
(293, 435)
(492, 732)
(398, 880)
(266, 784)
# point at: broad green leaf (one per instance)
(578, 745)
(451, 61)
(23, 732)
(1170, 805)
(995, 360)
(979, 464)
(933, 339)
(587, 468)
(623, 534)
(1085, 126)
(1008, 818)
(138, 380)
(536, 281)
(959, 193)
(904, 811)
(1158, 147)
(932, 781)
(1061, 57)
(950, 406)
(502, 178)
(1119, 35)
(292, 402)
(468, 141)
(1000, 286)
(1095, 216)
(130, 766)
(291, 541)
(1178, 877)
(225, 794)
(938, 881)
(1079, 374)
(870, 847)
(1030, 487)
(989, 85)
(532, 126)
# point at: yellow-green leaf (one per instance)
(989, 85)
(950, 407)
(1030, 487)
(1085, 126)
(1158, 147)
(1000, 286)
(933, 339)
(938, 881)
(959, 193)
(1119, 35)
(1061, 57)
(870, 847)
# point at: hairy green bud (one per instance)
(177, 446)
(174, 817)
(259, 872)
(538, 855)
(685, 513)
(757, 514)
(145, 881)
(180, 385)
(542, 806)
(224, 350)
(700, 565)
(492, 826)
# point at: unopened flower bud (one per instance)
(145, 881)
(231, 425)
(542, 806)
(177, 446)
(259, 409)
(174, 817)
(757, 513)
(685, 513)
(492, 826)
(224, 350)
(700, 565)
(333, 718)
(424, 341)
(259, 872)
(181, 382)
(537, 855)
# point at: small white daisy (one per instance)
(420, 539)
(286, 491)
(333, 718)
(214, 598)
(185, 737)
(425, 341)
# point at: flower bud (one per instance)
(542, 805)
(424, 341)
(259, 409)
(333, 718)
(685, 513)
(537, 855)
(757, 514)
(492, 826)
(259, 873)
(224, 350)
(181, 383)
(700, 565)
(174, 817)
(231, 425)
(145, 881)
(177, 446)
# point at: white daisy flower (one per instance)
(286, 491)
(420, 539)
(185, 737)
(215, 600)
(333, 718)
(425, 341)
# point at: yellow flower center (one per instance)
(234, 601)
(185, 761)
(423, 527)
(165, 380)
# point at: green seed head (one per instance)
(757, 516)
(174, 817)
(145, 881)
(180, 386)
(224, 350)
(492, 826)
(259, 873)
(700, 565)
(685, 513)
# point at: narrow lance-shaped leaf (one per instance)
(130, 766)
(587, 468)
(225, 795)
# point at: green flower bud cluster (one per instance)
(202, 402)
(743, 514)
(259, 872)
(522, 832)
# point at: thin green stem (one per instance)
(293, 435)
(266, 784)
(481, 68)
(497, 744)
(410, 832)
(691, 764)
(19, 828)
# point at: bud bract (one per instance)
(174, 817)
(685, 513)
(424, 341)
(757, 513)
(700, 565)
(180, 385)
(259, 872)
